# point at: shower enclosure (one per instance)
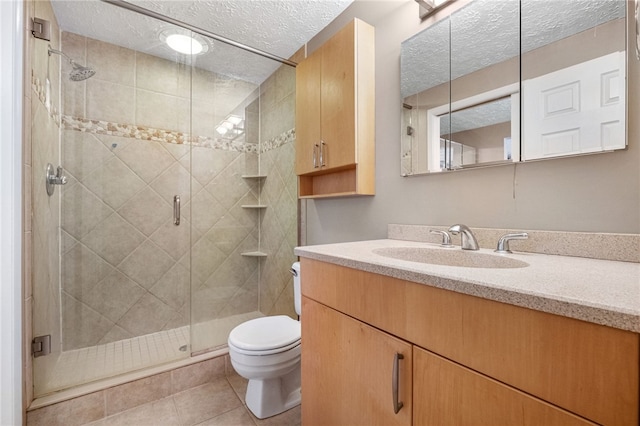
(178, 215)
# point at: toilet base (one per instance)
(268, 397)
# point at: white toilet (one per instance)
(267, 352)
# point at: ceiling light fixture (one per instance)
(428, 7)
(184, 41)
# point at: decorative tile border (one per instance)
(102, 127)
(284, 138)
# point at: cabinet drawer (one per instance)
(448, 394)
(585, 368)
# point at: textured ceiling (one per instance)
(279, 27)
(487, 32)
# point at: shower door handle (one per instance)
(176, 210)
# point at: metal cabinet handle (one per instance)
(176, 210)
(397, 405)
(315, 155)
(321, 153)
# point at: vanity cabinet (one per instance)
(474, 361)
(335, 110)
(447, 393)
(351, 366)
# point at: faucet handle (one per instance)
(446, 238)
(503, 242)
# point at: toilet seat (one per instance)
(265, 336)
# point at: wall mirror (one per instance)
(503, 81)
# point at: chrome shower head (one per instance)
(79, 72)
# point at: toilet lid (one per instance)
(265, 333)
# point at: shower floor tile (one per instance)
(97, 362)
(80, 366)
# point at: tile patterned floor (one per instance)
(217, 403)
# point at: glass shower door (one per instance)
(118, 284)
(112, 289)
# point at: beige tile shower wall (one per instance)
(41, 146)
(279, 225)
(126, 266)
(135, 88)
(225, 283)
(279, 230)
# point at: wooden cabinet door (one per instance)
(338, 103)
(348, 371)
(308, 130)
(446, 393)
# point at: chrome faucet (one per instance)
(468, 240)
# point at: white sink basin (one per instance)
(450, 257)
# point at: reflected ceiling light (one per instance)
(234, 119)
(184, 41)
(427, 7)
(231, 127)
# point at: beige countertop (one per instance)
(599, 291)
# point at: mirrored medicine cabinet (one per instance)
(504, 81)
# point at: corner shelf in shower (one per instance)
(254, 254)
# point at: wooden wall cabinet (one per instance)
(335, 111)
(473, 361)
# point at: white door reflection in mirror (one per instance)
(576, 110)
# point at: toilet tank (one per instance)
(297, 296)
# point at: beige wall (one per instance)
(595, 193)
